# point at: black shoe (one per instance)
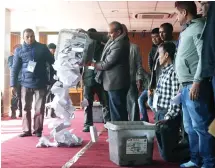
(86, 129)
(25, 134)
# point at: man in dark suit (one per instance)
(113, 69)
(91, 87)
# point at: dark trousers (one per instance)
(39, 96)
(16, 102)
(117, 103)
(49, 98)
(168, 136)
(89, 92)
(132, 102)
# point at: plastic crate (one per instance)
(97, 112)
(131, 143)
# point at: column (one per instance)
(4, 54)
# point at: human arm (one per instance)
(111, 59)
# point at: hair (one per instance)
(52, 46)
(170, 48)
(28, 30)
(117, 26)
(92, 30)
(155, 31)
(189, 6)
(168, 27)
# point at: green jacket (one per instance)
(89, 74)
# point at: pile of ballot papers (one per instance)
(70, 50)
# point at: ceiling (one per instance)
(53, 15)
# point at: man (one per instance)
(166, 30)
(51, 72)
(16, 97)
(153, 65)
(113, 69)
(196, 93)
(52, 48)
(91, 87)
(167, 115)
(136, 80)
(208, 36)
(156, 40)
(31, 59)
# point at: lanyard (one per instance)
(33, 54)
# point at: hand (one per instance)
(150, 92)
(81, 31)
(14, 91)
(161, 122)
(140, 85)
(194, 91)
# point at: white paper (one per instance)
(155, 100)
(136, 146)
(176, 100)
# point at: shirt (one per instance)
(167, 88)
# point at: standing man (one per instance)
(113, 69)
(91, 87)
(154, 68)
(31, 59)
(136, 80)
(196, 93)
(208, 36)
(166, 30)
(51, 72)
(16, 102)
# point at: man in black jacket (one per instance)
(91, 87)
(31, 59)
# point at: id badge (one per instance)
(31, 66)
(155, 100)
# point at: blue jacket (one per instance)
(10, 64)
(41, 55)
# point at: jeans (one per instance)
(150, 102)
(117, 104)
(197, 115)
(142, 105)
(168, 136)
(132, 102)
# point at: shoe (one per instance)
(188, 164)
(86, 129)
(38, 134)
(25, 134)
(13, 117)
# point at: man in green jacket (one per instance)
(91, 87)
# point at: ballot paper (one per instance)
(177, 99)
(212, 128)
(70, 50)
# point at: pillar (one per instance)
(4, 54)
